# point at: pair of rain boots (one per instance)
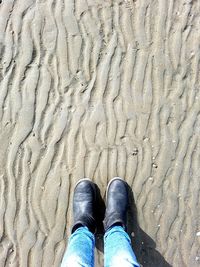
(85, 204)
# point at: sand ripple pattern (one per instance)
(98, 89)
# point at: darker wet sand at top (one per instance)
(99, 89)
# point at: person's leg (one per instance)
(117, 248)
(80, 250)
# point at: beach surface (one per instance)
(99, 89)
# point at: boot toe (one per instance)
(117, 186)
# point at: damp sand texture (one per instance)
(99, 89)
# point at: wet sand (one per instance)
(99, 89)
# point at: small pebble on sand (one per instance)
(154, 165)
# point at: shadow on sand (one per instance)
(143, 245)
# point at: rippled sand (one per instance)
(99, 89)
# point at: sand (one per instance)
(99, 89)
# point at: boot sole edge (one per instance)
(81, 180)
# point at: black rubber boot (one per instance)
(84, 204)
(116, 203)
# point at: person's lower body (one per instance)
(117, 249)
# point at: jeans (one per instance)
(117, 249)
